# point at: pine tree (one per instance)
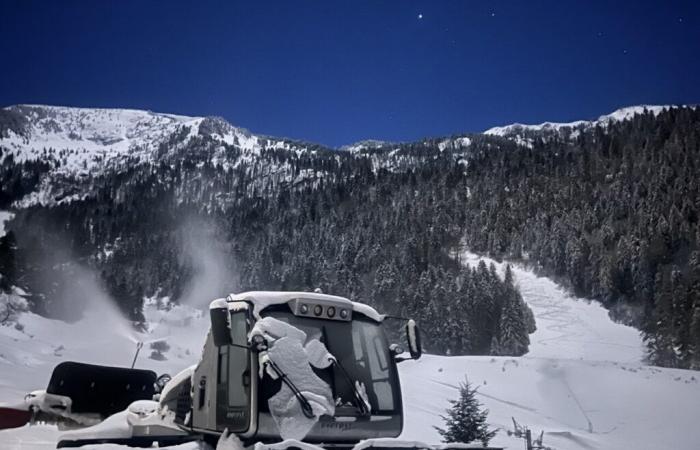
(8, 247)
(512, 337)
(695, 337)
(466, 421)
(694, 294)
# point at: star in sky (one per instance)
(420, 15)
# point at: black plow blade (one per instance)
(101, 390)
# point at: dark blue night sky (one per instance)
(336, 72)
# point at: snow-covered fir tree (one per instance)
(512, 338)
(465, 421)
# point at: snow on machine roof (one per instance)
(262, 299)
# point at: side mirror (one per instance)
(221, 326)
(413, 337)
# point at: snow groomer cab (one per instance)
(294, 365)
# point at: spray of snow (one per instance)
(102, 311)
(212, 269)
(78, 294)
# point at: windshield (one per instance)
(360, 347)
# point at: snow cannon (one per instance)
(275, 367)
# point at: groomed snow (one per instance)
(567, 327)
(583, 382)
(579, 404)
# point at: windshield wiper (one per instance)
(362, 404)
(303, 401)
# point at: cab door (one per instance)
(233, 380)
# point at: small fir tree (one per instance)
(466, 421)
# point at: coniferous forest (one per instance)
(610, 211)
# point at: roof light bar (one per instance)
(321, 309)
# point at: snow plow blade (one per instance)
(13, 417)
(101, 390)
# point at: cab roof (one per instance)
(263, 299)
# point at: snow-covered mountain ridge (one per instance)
(70, 148)
(616, 116)
(74, 146)
(89, 138)
(521, 133)
(87, 134)
(92, 135)
(364, 145)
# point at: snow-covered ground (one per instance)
(583, 382)
(28, 356)
(569, 328)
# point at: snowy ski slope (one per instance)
(583, 381)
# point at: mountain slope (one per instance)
(68, 147)
(87, 133)
(73, 144)
(582, 396)
(583, 381)
(92, 135)
(609, 207)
